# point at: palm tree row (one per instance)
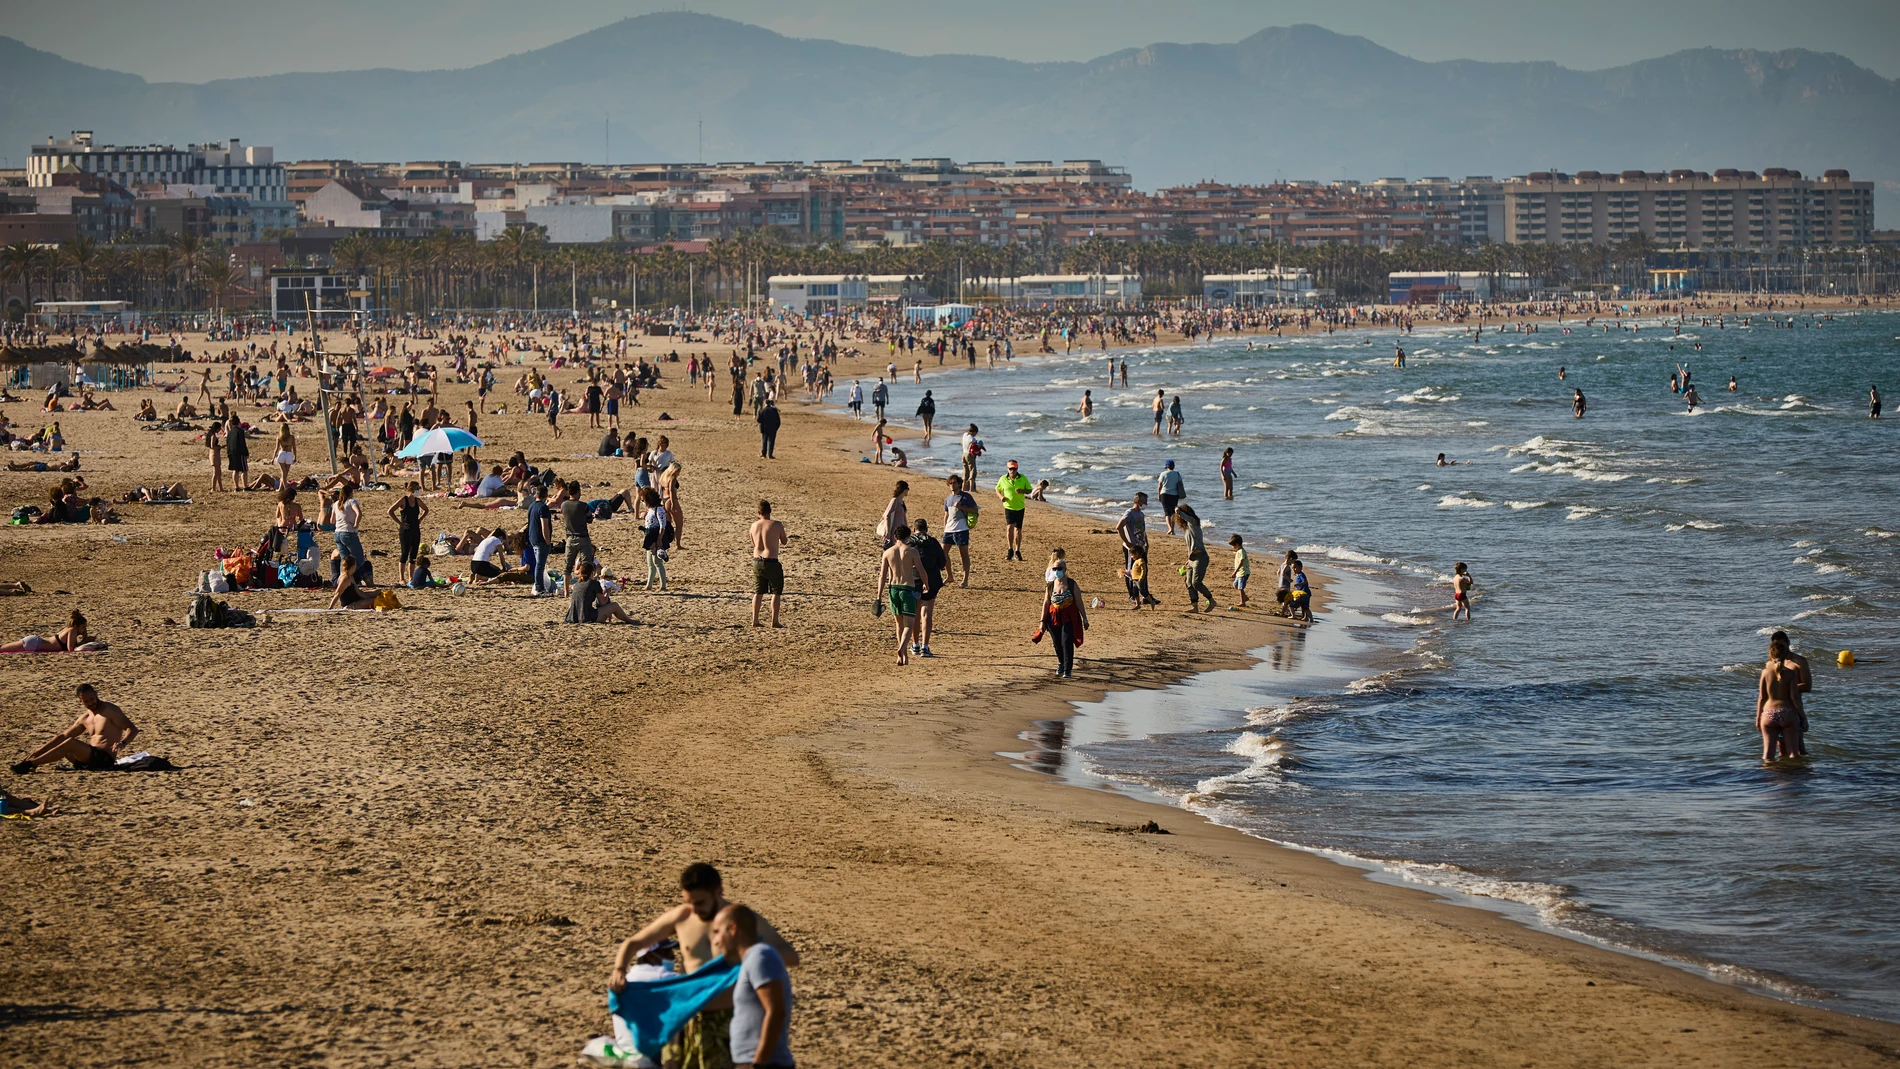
(520, 269)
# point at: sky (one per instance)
(198, 40)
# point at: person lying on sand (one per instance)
(11, 804)
(71, 464)
(69, 638)
(92, 742)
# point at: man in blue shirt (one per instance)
(762, 998)
(540, 537)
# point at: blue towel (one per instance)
(656, 1010)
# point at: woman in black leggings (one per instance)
(409, 512)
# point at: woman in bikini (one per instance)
(286, 452)
(69, 638)
(1778, 704)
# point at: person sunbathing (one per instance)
(185, 410)
(147, 413)
(157, 494)
(68, 639)
(11, 804)
(92, 742)
(71, 464)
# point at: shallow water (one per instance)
(1585, 749)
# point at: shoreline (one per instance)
(1385, 871)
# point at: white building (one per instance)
(815, 295)
(1434, 287)
(1279, 285)
(212, 169)
(295, 293)
(1086, 289)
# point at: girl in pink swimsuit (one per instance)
(1777, 708)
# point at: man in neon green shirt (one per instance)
(1013, 489)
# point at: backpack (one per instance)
(207, 613)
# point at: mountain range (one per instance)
(1288, 102)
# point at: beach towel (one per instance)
(655, 1010)
(143, 761)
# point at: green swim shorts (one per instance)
(903, 600)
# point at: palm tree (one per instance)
(83, 255)
(17, 263)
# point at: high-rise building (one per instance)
(1689, 209)
(213, 169)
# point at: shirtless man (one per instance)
(1778, 704)
(92, 742)
(900, 576)
(768, 574)
(704, 1042)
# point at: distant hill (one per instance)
(1288, 102)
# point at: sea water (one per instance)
(1582, 752)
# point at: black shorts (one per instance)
(97, 760)
(768, 576)
(1014, 517)
(1168, 502)
(484, 569)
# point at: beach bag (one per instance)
(206, 613)
(386, 600)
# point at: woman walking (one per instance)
(286, 453)
(1064, 616)
(1196, 570)
(896, 521)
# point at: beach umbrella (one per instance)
(439, 440)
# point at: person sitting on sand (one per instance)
(589, 603)
(147, 413)
(92, 742)
(348, 594)
(185, 410)
(69, 638)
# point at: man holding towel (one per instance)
(705, 1042)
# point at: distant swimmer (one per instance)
(1560, 373)
(1778, 704)
(1731, 384)
(1873, 402)
(1461, 584)
(1576, 403)
(1398, 360)
(1087, 407)
(1692, 397)
(1443, 463)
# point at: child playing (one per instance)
(1461, 584)
(1243, 568)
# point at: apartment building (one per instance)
(1690, 209)
(223, 168)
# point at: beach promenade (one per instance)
(415, 837)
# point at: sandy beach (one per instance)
(415, 837)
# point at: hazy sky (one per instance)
(197, 40)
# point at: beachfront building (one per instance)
(225, 168)
(1690, 209)
(1279, 285)
(816, 295)
(895, 289)
(1451, 287)
(356, 205)
(1062, 289)
(296, 292)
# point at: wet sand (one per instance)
(415, 837)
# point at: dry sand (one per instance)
(414, 838)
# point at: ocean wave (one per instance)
(1518, 506)
(1578, 512)
(1343, 553)
(1875, 532)
(1265, 754)
(1454, 501)
(1404, 619)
